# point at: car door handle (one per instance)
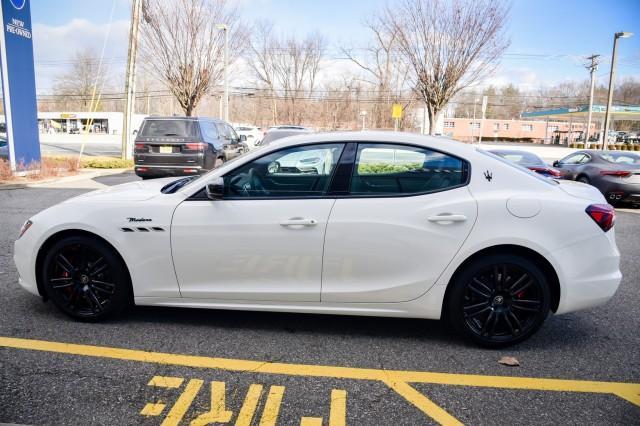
(448, 218)
(299, 221)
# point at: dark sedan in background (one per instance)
(615, 173)
(528, 160)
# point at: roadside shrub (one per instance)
(5, 169)
(106, 163)
(383, 168)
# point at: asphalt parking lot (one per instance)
(175, 366)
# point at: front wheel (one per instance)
(85, 278)
(498, 300)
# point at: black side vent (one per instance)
(142, 229)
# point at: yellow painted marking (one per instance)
(423, 403)
(218, 413)
(153, 409)
(338, 411)
(183, 403)
(272, 406)
(311, 421)
(628, 391)
(166, 382)
(249, 406)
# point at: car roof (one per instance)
(379, 136)
(178, 117)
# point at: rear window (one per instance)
(518, 167)
(621, 158)
(175, 128)
(275, 135)
(519, 157)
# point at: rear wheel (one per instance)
(85, 278)
(583, 179)
(499, 300)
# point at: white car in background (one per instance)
(356, 223)
(254, 134)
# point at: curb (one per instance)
(84, 174)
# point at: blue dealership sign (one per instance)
(18, 83)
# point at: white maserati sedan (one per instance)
(358, 223)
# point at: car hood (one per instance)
(581, 190)
(132, 191)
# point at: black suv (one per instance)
(177, 146)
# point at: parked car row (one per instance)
(615, 173)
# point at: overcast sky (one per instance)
(548, 37)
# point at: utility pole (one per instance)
(612, 76)
(592, 67)
(130, 82)
(225, 28)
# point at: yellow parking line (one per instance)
(423, 403)
(272, 406)
(628, 391)
(245, 416)
(183, 403)
(338, 410)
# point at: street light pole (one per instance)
(592, 67)
(225, 28)
(612, 76)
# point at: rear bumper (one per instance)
(148, 170)
(589, 272)
(620, 192)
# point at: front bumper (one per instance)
(24, 259)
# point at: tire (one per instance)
(85, 278)
(583, 179)
(480, 307)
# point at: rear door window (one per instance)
(385, 169)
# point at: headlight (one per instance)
(25, 227)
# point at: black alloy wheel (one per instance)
(85, 278)
(499, 300)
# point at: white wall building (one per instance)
(95, 122)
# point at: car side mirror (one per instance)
(556, 164)
(243, 138)
(215, 189)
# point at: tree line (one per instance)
(421, 53)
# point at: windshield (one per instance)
(621, 158)
(519, 167)
(170, 127)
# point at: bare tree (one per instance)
(450, 44)
(81, 82)
(180, 42)
(386, 72)
(288, 67)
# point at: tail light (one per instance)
(619, 173)
(194, 146)
(552, 172)
(141, 147)
(602, 214)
